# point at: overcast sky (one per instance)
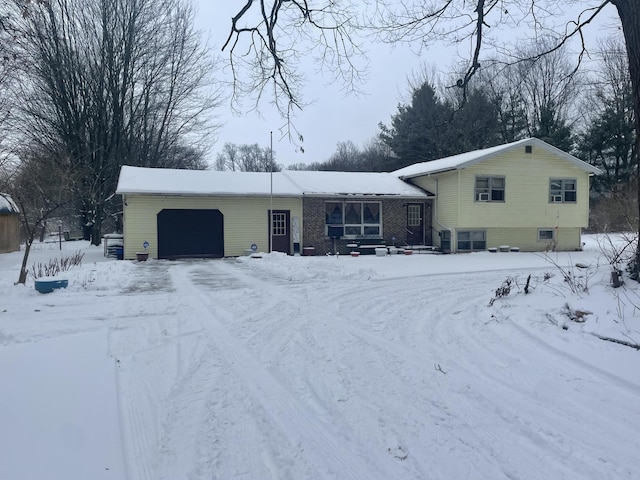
(333, 116)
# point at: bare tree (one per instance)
(113, 82)
(228, 158)
(246, 158)
(40, 186)
(347, 157)
(608, 138)
(7, 100)
(535, 96)
(549, 85)
(272, 31)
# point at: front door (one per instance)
(415, 224)
(280, 228)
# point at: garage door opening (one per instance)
(185, 233)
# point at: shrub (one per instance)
(55, 265)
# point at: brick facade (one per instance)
(394, 223)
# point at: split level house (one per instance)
(526, 194)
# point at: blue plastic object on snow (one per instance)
(48, 286)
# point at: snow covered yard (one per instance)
(282, 367)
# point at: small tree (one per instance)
(40, 187)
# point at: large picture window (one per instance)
(563, 190)
(472, 240)
(357, 218)
(489, 189)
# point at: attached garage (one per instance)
(186, 233)
(206, 214)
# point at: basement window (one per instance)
(470, 240)
(545, 234)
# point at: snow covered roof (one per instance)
(457, 162)
(160, 181)
(351, 183)
(164, 181)
(7, 205)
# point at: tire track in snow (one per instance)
(400, 391)
(489, 428)
(314, 439)
(428, 398)
(138, 441)
(481, 406)
(399, 403)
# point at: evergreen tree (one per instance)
(553, 129)
(430, 128)
(417, 130)
(609, 140)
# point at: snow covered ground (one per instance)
(282, 367)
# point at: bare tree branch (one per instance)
(269, 41)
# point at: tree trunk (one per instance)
(629, 12)
(96, 233)
(25, 258)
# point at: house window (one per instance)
(545, 234)
(414, 218)
(357, 218)
(490, 189)
(562, 190)
(472, 240)
(279, 226)
(333, 213)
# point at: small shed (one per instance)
(9, 225)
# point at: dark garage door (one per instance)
(190, 233)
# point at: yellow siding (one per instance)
(245, 219)
(526, 239)
(526, 207)
(526, 193)
(445, 187)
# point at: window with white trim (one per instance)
(357, 218)
(414, 219)
(279, 224)
(545, 234)
(562, 190)
(469, 240)
(489, 189)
